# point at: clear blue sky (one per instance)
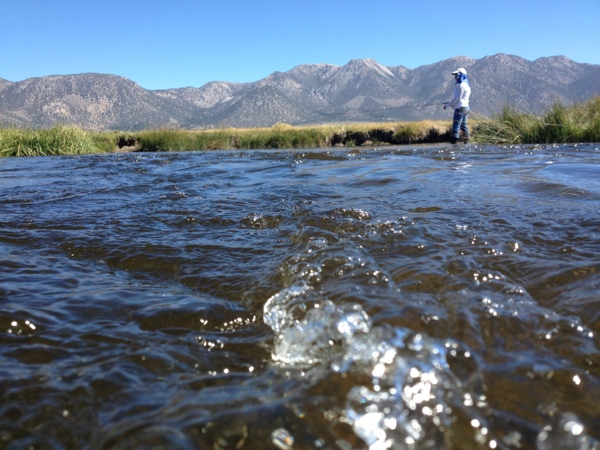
(176, 43)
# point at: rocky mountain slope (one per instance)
(362, 90)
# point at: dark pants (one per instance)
(459, 123)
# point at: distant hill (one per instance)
(362, 90)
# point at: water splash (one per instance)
(310, 330)
(414, 395)
(566, 432)
(417, 383)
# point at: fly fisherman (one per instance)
(460, 103)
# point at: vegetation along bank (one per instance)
(561, 124)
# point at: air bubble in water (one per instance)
(282, 439)
(567, 433)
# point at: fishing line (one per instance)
(367, 111)
(474, 115)
(402, 107)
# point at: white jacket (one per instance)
(462, 92)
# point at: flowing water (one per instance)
(412, 297)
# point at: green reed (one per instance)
(279, 136)
(282, 136)
(421, 132)
(168, 140)
(561, 124)
(577, 123)
(59, 140)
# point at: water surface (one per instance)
(405, 297)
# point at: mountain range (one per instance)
(360, 91)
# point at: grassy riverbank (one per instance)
(72, 140)
(577, 123)
(63, 140)
(282, 136)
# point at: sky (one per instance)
(163, 44)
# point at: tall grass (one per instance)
(54, 141)
(168, 140)
(284, 136)
(577, 123)
(421, 132)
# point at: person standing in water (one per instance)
(460, 103)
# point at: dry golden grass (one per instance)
(578, 123)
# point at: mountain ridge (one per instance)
(361, 90)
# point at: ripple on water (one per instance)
(372, 298)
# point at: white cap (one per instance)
(461, 70)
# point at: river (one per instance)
(429, 297)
